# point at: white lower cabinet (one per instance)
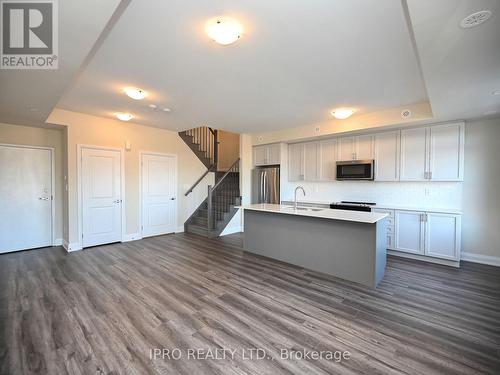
(428, 233)
(409, 232)
(442, 239)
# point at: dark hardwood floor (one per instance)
(103, 310)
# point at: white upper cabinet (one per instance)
(311, 161)
(327, 160)
(267, 154)
(413, 154)
(346, 149)
(296, 162)
(446, 152)
(387, 156)
(409, 231)
(364, 147)
(355, 148)
(442, 239)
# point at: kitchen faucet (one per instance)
(295, 201)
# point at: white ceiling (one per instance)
(296, 61)
(461, 66)
(29, 96)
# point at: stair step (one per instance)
(197, 229)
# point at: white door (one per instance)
(442, 237)
(101, 197)
(296, 162)
(25, 198)
(159, 194)
(346, 149)
(386, 156)
(446, 150)
(410, 231)
(274, 153)
(260, 155)
(363, 149)
(327, 159)
(311, 161)
(413, 154)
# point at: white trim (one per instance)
(141, 154)
(132, 237)
(70, 247)
(79, 148)
(483, 259)
(53, 187)
(424, 258)
(58, 242)
(231, 230)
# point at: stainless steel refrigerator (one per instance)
(266, 185)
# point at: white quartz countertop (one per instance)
(386, 206)
(354, 216)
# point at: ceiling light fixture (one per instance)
(124, 116)
(153, 106)
(475, 19)
(135, 93)
(223, 30)
(167, 110)
(496, 92)
(342, 113)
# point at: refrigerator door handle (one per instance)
(264, 179)
(261, 195)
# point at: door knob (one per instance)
(172, 199)
(43, 198)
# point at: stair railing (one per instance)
(208, 140)
(226, 196)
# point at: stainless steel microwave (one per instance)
(355, 170)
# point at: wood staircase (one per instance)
(217, 210)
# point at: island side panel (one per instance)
(343, 249)
(381, 250)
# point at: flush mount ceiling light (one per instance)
(124, 116)
(496, 92)
(223, 30)
(475, 19)
(342, 113)
(135, 93)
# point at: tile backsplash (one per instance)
(408, 194)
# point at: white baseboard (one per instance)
(180, 229)
(424, 258)
(70, 247)
(58, 242)
(132, 237)
(483, 259)
(231, 230)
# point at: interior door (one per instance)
(25, 198)
(101, 197)
(159, 194)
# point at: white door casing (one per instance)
(26, 197)
(101, 189)
(158, 194)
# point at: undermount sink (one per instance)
(305, 209)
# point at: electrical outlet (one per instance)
(427, 192)
(317, 129)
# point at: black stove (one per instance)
(352, 206)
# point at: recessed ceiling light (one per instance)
(124, 116)
(153, 106)
(223, 30)
(489, 113)
(135, 93)
(342, 113)
(475, 19)
(167, 110)
(496, 92)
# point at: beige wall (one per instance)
(96, 131)
(481, 188)
(31, 136)
(229, 149)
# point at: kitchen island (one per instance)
(347, 244)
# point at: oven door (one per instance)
(355, 170)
